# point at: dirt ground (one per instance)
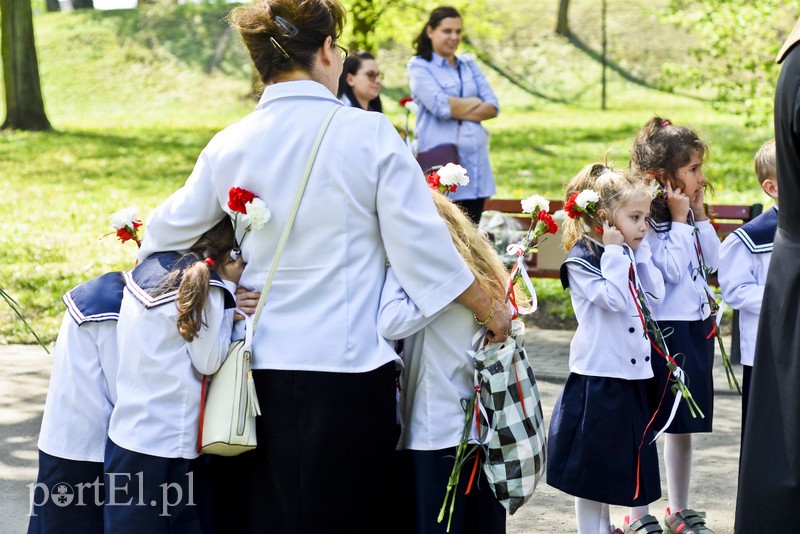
(713, 487)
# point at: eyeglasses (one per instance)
(342, 50)
(373, 76)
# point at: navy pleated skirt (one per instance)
(688, 344)
(594, 443)
(152, 495)
(68, 497)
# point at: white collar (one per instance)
(295, 88)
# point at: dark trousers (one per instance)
(323, 463)
(68, 497)
(472, 207)
(477, 513)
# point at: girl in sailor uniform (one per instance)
(599, 443)
(685, 249)
(68, 495)
(744, 259)
(174, 327)
(437, 375)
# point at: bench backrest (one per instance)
(725, 217)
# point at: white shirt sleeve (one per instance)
(417, 242)
(709, 243)
(737, 278)
(650, 278)
(398, 316)
(210, 348)
(671, 251)
(186, 215)
(609, 291)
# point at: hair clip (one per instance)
(665, 123)
(209, 262)
(289, 29)
(279, 47)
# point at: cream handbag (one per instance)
(228, 413)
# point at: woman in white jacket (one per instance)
(324, 375)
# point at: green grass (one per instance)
(132, 106)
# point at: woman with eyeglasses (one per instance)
(324, 378)
(360, 82)
(454, 99)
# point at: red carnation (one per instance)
(406, 100)
(124, 234)
(238, 197)
(433, 180)
(569, 207)
(552, 226)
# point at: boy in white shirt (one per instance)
(744, 261)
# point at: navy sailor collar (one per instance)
(586, 253)
(758, 234)
(147, 281)
(97, 300)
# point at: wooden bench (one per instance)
(725, 219)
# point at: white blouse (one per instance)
(742, 278)
(674, 253)
(437, 371)
(159, 379)
(366, 200)
(82, 391)
(610, 339)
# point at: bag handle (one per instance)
(292, 214)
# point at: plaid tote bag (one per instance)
(515, 438)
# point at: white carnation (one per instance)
(123, 218)
(257, 213)
(412, 107)
(586, 197)
(452, 174)
(535, 204)
(653, 188)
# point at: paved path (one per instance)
(26, 370)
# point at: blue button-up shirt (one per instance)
(432, 84)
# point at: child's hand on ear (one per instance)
(612, 236)
(677, 202)
(697, 205)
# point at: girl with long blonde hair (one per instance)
(601, 416)
(437, 375)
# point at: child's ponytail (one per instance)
(212, 249)
(661, 148)
(573, 229)
(192, 296)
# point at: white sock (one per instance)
(589, 515)
(605, 519)
(638, 512)
(678, 460)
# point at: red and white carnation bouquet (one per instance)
(248, 211)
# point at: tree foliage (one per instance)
(372, 24)
(737, 44)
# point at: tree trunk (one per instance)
(365, 17)
(53, 5)
(562, 25)
(83, 4)
(24, 103)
